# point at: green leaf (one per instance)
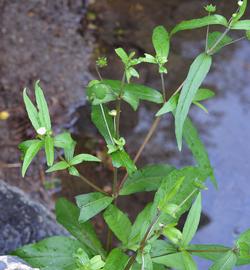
(241, 25)
(192, 222)
(240, 13)
(133, 92)
(226, 262)
(73, 171)
(162, 247)
(160, 41)
(59, 166)
(64, 140)
(189, 263)
(116, 260)
(54, 253)
(198, 149)
(147, 262)
(203, 94)
(83, 157)
(195, 77)
(141, 225)
(174, 261)
(49, 149)
(42, 106)
(31, 111)
(30, 154)
(187, 187)
(118, 222)
(100, 93)
(91, 204)
(147, 179)
(169, 106)
(122, 54)
(214, 36)
(213, 252)
(170, 192)
(248, 34)
(99, 121)
(120, 158)
(198, 23)
(23, 146)
(173, 234)
(67, 215)
(243, 245)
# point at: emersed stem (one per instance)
(106, 124)
(209, 51)
(143, 241)
(91, 184)
(207, 35)
(208, 250)
(163, 87)
(117, 135)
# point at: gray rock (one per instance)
(13, 263)
(23, 220)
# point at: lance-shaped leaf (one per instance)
(59, 166)
(117, 260)
(198, 149)
(162, 247)
(30, 154)
(192, 222)
(122, 54)
(241, 25)
(171, 104)
(49, 149)
(91, 204)
(52, 253)
(187, 188)
(198, 23)
(24, 146)
(100, 122)
(147, 179)
(239, 13)
(214, 36)
(174, 261)
(209, 252)
(160, 41)
(188, 261)
(118, 222)
(120, 158)
(31, 111)
(83, 157)
(226, 262)
(133, 92)
(67, 215)
(42, 106)
(195, 77)
(140, 225)
(63, 140)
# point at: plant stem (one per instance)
(209, 250)
(207, 34)
(106, 123)
(88, 182)
(146, 140)
(115, 178)
(163, 87)
(143, 241)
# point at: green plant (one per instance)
(152, 242)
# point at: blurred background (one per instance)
(58, 42)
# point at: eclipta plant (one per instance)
(153, 241)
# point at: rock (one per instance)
(13, 263)
(22, 220)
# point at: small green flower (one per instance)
(210, 8)
(102, 62)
